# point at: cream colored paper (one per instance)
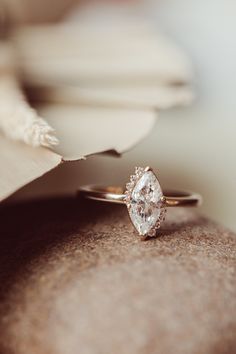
(136, 97)
(62, 54)
(83, 131)
(118, 80)
(21, 164)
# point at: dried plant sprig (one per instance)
(18, 120)
(22, 123)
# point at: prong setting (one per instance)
(148, 168)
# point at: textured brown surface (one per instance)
(75, 279)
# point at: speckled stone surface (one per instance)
(75, 279)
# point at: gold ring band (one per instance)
(114, 194)
(144, 198)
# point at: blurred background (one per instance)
(192, 147)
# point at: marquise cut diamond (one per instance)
(146, 203)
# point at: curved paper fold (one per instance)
(70, 54)
(21, 164)
(132, 97)
(82, 132)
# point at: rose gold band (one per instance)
(116, 195)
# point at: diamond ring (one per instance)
(144, 198)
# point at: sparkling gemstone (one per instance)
(145, 203)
